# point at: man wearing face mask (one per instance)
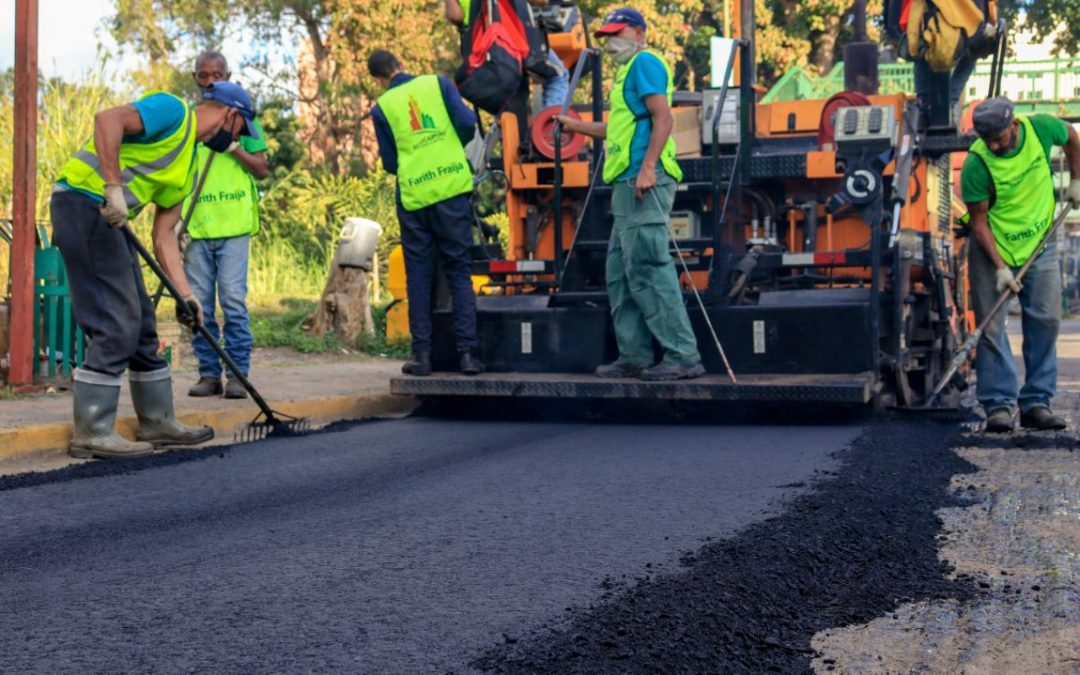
(1009, 190)
(643, 287)
(141, 153)
(221, 226)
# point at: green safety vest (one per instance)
(622, 123)
(1024, 196)
(161, 172)
(229, 202)
(466, 7)
(431, 160)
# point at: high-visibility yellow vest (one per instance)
(161, 172)
(622, 123)
(1023, 196)
(431, 160)
(229, 202)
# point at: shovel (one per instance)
(268, 422)
(961, 355)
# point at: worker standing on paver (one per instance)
(141, 153)
(422, 125)
(1009, 190)
(643, 287)
(221, 227)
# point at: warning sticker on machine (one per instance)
(526, 337)
(759, 337)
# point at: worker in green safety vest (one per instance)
(643, 287)
(141, 153)
(1008, 187)
(421, 125)
(221, 225)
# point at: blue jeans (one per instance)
(221, 265)
(554, 90)
(1040, 301)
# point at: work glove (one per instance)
(194, 309)
(115, 209)
(1003, 279)
(1073, 193)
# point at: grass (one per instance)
(275, 322)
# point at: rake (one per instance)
(268, 422)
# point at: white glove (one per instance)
(1073, 193)
(1003, 279)
(233, 147)
(115, 209)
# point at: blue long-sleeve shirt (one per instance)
(463, 119)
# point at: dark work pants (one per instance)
(107, 292)
(443, 229)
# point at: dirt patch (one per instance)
(861, 545)
(1019, 545)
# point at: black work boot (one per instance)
(419, 365)
(234, 389)
(620, 368)
(470, 362)
(1000, 421)
(1041, 417)
(672, 371)
(206, 386)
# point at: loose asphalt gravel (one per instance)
(426, 545)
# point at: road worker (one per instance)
(1009, 190)
(643, 287)
(221, 226)
(421, 125)
(140, 153)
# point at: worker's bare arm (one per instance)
(253, 162)
(980, 227)
(110, 127)
(1072, 153)
(454, 13)
(167, 249)
(594, 129)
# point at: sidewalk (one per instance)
(34, 431)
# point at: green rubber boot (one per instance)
(152, 395)
(95, 404)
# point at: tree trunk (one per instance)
(344, 307)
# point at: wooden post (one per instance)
(24, 194)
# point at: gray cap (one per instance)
(992, 116)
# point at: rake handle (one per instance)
(201, 329)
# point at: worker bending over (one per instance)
(1009, 190)
(421, 125)
(643, 287)
(141, 153)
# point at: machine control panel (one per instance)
(863, 129)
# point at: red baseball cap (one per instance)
(618, 19)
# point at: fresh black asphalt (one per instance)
(406, 546)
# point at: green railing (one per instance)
(1045, 86)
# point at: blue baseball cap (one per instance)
(234, 96)
(618, 19)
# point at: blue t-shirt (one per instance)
(647, 77)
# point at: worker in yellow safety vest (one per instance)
(141, 153)
(643, 287)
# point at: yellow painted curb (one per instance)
(55, 435)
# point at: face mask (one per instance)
(621, 49)
(220, 141)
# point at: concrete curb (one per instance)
(33, 438)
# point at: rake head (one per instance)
(267, 426)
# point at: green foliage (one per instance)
(276, 323)
(1046, 18)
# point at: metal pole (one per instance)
(24, 194)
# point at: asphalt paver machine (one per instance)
(819, 235)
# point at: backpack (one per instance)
(942, 31)
(494, 47)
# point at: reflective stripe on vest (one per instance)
(622, 123)
(1024, 196)
(431, 160)
(161, 172)
(229, 203)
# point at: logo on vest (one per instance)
(417, 119)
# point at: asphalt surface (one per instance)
(408, 546)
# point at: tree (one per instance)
(1046, 18)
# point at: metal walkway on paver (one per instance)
(833, 388)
